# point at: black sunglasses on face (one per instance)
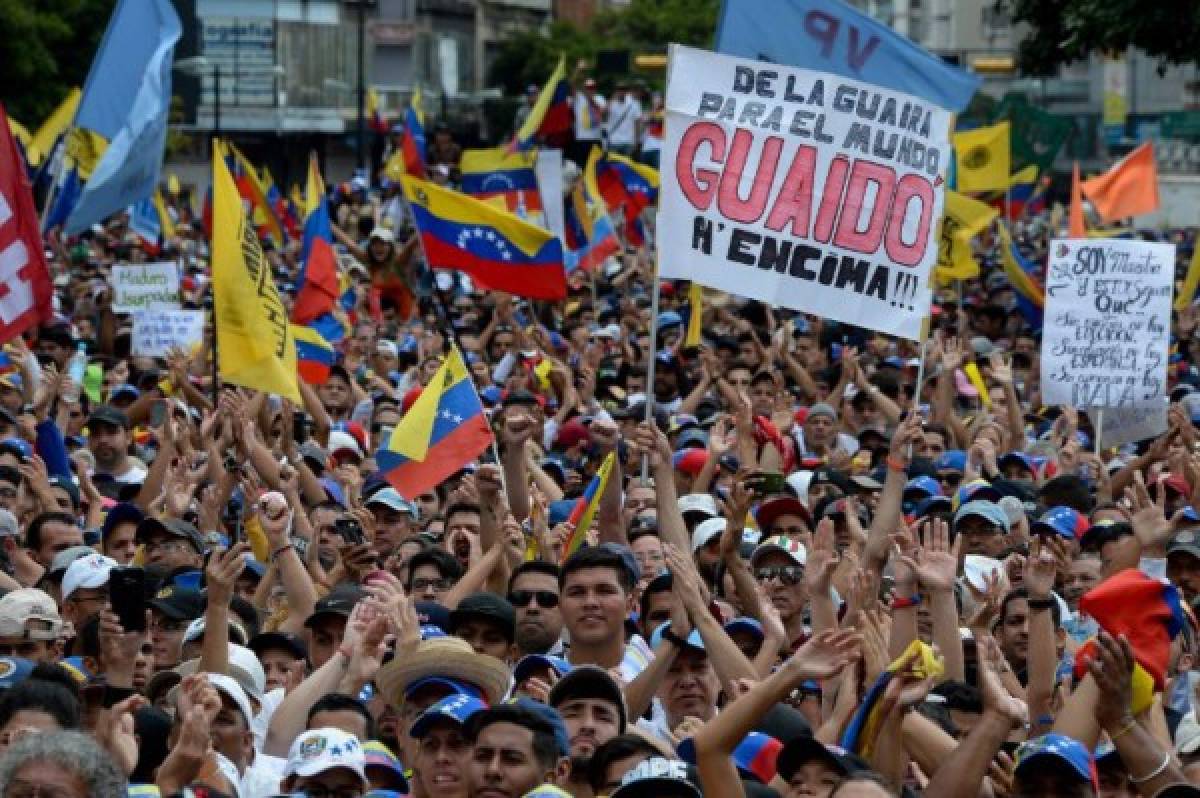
(546, 599)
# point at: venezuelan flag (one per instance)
(497, 173)
(498, 250)
(412, 143)
(280, 206)
(585, 508)
(314, 355)
(317, 286)
(590, 237)
(863, 729)
(333, 328)
(1022, 275)
(377, 121)
(623, 184)
(444, 430)
(251, 189)
(551, 112)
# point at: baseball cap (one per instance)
(745, 624)
(338, 602)
(531, 663)
(698, 503)
(707, 531)
(457, 709)
(657, 777)
(549, 715)
(693, 640)
(13, 671)
(318, 750)
(792, 548)
(976, 490)
(179, 604)
(487, 606)
(951, 460)
(341, 441)
(285, 641)
(1056, 750)
(923, 487)
(63, 559)
(690, 461)
(756, 756)
(89, 571)
(1062, 521)
(390, 497)
(172, 527)
(1021, 458)
(770, 510)
(378, 755)
(589, 681)
(107, 414)
(805, 748)
(119, 514)
(29, 614)
(195, 631)
(988, 511)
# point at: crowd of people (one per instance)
(819, 566)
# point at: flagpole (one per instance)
(1099, 430)
(653, 356)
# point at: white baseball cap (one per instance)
(699, 503)
(29, 614)
(705, 532)
(341, 441)
(230, 687)
(87, 572)
(318, 750)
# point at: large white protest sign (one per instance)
(1108, 313)
(1118, 426)
(802, 189)
(156, 332)
(548, 168)
(145, 286)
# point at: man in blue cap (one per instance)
(441, 747)
(984, 527)
(517, 747)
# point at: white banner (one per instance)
(1121, 425)
(548, 168)
(145, 286)
(156, 332)
(1107, 320)
(802, 189)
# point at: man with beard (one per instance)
(778, 566)
(108, 441)
(533, 592)
(593, 709)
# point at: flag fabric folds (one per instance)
(551, 112)
(315, 356)
(56, 124)
(254, 340)
(1129, 188)
(1191, 281)
(695, 325)
(375, 113)
(1022, 275)
(588, 230)
(866, 50)
(317, 286)
(623, 184)
(584, 511)
(1037, 135)
(145, 224)
(964, 219)
(498, 250)
(982, 158)
(252, 189)
(1144, 609)
(412, 143)
(29, 293)
(919, 659)
(496, 172)
(125, 101)
(444, 430)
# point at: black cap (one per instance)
(430, 613)
(178, 603)
(800, 750)
(268, 641)
(589, 681)
(171, 526)
(519, 398)
(488, 606)
(340, 602)
(107, 414)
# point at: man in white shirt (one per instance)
(621, 124)
(589, 122)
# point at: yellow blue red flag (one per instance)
(585, 508)
(551, 112)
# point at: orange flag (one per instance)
(1075, 225)
(1129, 188)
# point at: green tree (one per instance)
(46, 47)
(1064, 31)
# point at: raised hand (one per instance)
(936, 560)
(1148, 516)
(826, 653)
(1112, 669)
(1040, 568)
(222, 572)
(822, 559)
(995, 698)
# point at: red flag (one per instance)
(25, 298)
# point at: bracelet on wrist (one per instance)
(1126, 727)
(896, 464)
(904, 602)
(1166, 761)
(1041, 604)
(275, 554)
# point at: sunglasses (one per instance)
(546, 599)
(787, 574)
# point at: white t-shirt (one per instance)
(589, 117)
(134, 474)
(622, 121)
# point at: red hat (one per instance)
(1146, 610)
(572, 433)
(356, 431)
(690, 461)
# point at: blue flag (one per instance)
(125, 99)
(831, 36)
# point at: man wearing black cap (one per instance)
(327, 624)
(593, 709)
(172, 609)
(281, 654)
(108, 441)
(487, 622)
(170, 544)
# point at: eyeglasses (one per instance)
(436, 584)
(165, 545)
(546, 599)
(787, 574)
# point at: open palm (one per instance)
(825, 654)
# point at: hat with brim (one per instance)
(770, 510)
(803, 749)
(457, 709)
(1053, 751)
(447, 657)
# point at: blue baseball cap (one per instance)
(1057, 749)
(952, 460)
(390, 497)
(669, 318)
(755, 756)
(1017, 457)
(932, 505)
(745, 624)
(531, 663)
(550, 716)
(988, 511)
(693, 639)
(119, 514)
(457, 709)
(1062, 521)
(453, 685)
(925, 485)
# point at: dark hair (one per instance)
(596, 557)
(446, 563)
(41, 695)
(655, 586)
(460, 507)
(1069, 490)
(340, 702)
(10, 475)
(960, 696)
(1022, 593)
(533, 567)
(33, 535)
(620, 747)
(545, 746)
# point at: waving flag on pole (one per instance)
(317, 287)
(251, 188)
(28, 293)
(623, 184)
(551, 112)
(1129, 188)
(57, 123)
(496, 172)
(144, 222)
(1022, 275)
(444, 430)
(585, 508)
(412, 143)
(315, 356)
(125, 101)
(375, 113)
(500, 251)
(590, 237)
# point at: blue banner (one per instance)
(831, 36)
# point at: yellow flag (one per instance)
(964, 219)
(254, 341)
(173, 187)
(21, 133)
(1190, 282)
(983, 159)
(695, 314)
(1023, 177)
(57, 123)
(165, 222)
(972, 372)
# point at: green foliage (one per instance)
(46, 47)
(643, 26)
(1065, 31)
